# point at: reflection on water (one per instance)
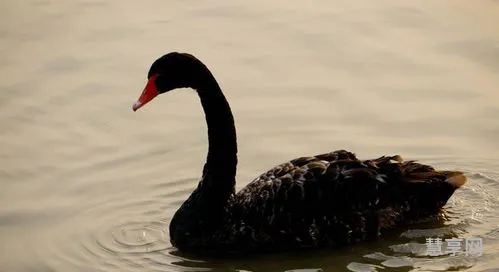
(90, 186)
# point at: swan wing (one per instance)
(335, 198)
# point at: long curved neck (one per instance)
(202, 214)
(221, 163)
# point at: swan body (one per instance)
(328, 200)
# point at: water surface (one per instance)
(88, 185)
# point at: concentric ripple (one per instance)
(131, 234)
(120, 233)
(137, 237)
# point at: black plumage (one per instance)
(332, 199)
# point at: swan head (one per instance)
(171, 71)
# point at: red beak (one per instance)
(150, 92)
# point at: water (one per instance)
(88, 185)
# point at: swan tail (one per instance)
(455, 178)
(412, 190)
(414, 172)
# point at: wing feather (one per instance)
(337, 198)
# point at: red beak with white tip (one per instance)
(150, 92)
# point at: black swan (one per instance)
(332, 199)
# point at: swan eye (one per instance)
(161, 83)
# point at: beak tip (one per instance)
(136, 106)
